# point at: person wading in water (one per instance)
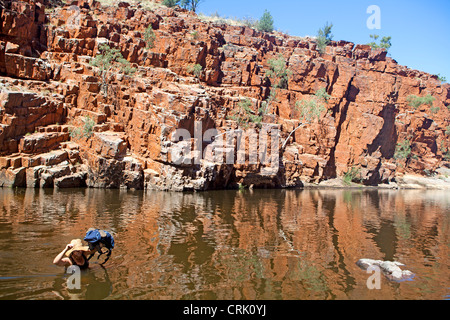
(73, 254)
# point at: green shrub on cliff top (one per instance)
(385, 42)
(170, 3)
(324, 37)
(441, 78)
(191, 5)
(434, 110)
(266, 22)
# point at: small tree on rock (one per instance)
(195, 69)
(324, 37)
(279, 72)
(191, 5)
(311, 109)
(385, 42)
(266, 22)
(149, 37)
(170, 3)
(110, 60)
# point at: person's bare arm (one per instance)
(62, 261)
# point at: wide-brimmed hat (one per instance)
(77, 246)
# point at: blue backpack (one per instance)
(97, 240)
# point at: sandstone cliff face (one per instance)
(50, 91)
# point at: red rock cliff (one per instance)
(64, 123)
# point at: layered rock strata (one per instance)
(66, 123)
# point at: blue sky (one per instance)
(420, 30)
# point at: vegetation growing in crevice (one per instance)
(245, 115)
(403, 150)
(352, 175)
(447, 155)
(110, 60)
(85, 131)
(279, 72)
(311, 109)
(314, 107)
(434, 110)
(149, 37)
(416, 102)
(195, 69)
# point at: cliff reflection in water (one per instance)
(262, 244)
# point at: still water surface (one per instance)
(261, 244)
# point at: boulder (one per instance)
(13, 177)
(110, 145)
(76, 180)
(27, 67)
(390, 269)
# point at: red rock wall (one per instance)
(45, 54)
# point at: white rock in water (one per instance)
(366, 263)
(390, 269)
